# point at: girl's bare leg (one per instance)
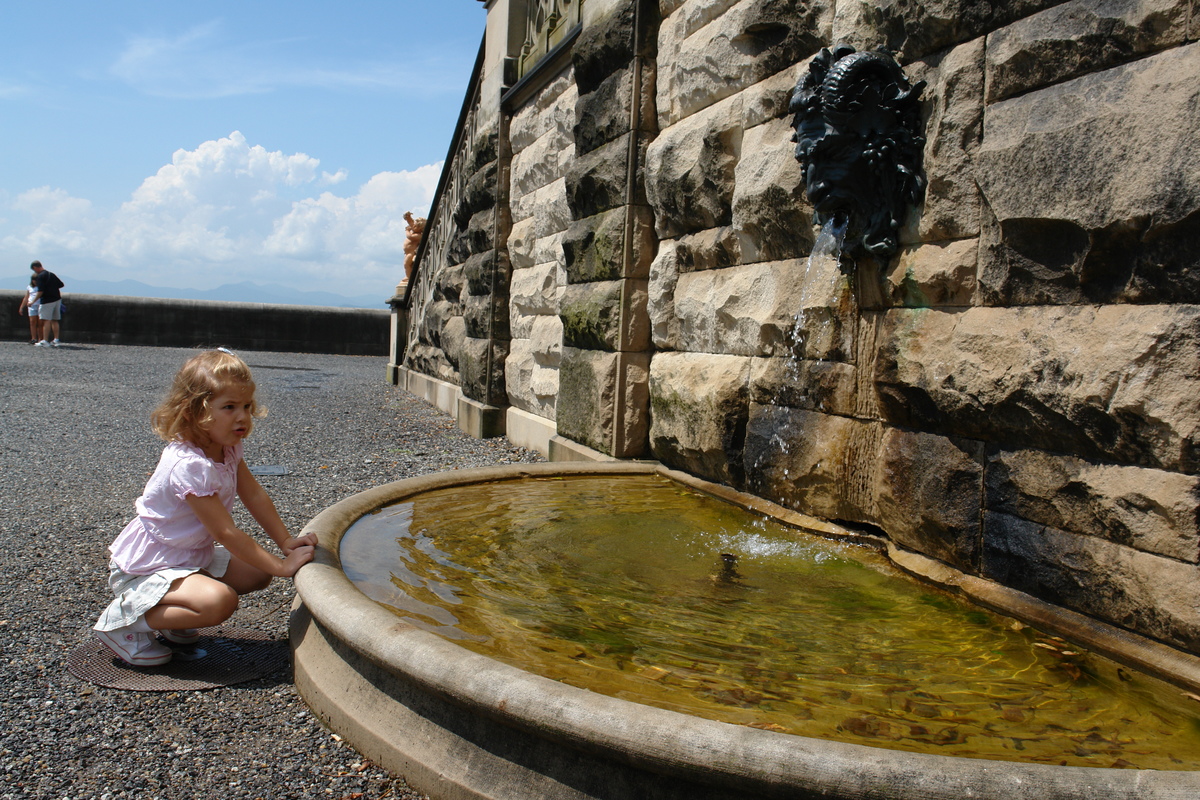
(243, 578)
(200, 601)
(194, 601)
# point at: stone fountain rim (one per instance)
(672, 743)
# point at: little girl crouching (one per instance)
(182, 563)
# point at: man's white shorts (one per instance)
(52, 310)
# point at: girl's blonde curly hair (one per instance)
(186, 411)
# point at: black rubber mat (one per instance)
(223, 656)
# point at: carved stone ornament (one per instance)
(859, 139)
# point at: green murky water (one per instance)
(619, 586)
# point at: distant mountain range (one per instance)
(244, 292)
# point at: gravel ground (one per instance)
(75, 450)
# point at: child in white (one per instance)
(182, 563)
(30, 305)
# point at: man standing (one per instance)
(48, 294)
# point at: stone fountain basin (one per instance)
(457, 724)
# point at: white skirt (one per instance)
(137, 594)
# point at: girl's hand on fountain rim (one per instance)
(292, 542)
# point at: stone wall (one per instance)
(542, 142)
(1016, 392)
(604, 377)
(458, 298)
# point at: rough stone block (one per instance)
(484, 147)
(769, 99)
(664, 274)
(532, 293)
(481, 232)
(482, 371)
(936, 274)
(544, 113)
(1094, 185)
(698, 409)
(604, 114)
(953, 104)
(801, 460)
(690, 170)
(606, 315)
(825, 386)
(1111, 383)
(1146, 509)
(479, 193)
(1147, 593)
(594, 248)
(1078, 37)
(553, 211)
(548, 250)
(928, 491)
(598, 181)
(486, 316)
(542, 162)
(532, 385)
(667, 7)
(605, 45)
(545, 215)
(770, 213)
(715, 248)
(586, 413)
(487, 272)
(521, 240)
(915, 30)
(734, 49)
(437, 315)
(429, 360)
(753, 310)
(453, 342)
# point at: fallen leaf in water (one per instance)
(950, 736)
(655, 673)
(922, 710)
(857, 725)
(737, 697)
(768, 726)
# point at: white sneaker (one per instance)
(42, 343)
(181, 636)
(134, 647)
(55, 343)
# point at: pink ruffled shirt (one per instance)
(166, 533)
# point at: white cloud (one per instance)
(230, 211)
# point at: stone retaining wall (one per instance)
(100, 319)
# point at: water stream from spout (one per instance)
(813, 323)
(827, 249)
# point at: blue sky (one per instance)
(195, 144)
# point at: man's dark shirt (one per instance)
(49, 284)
